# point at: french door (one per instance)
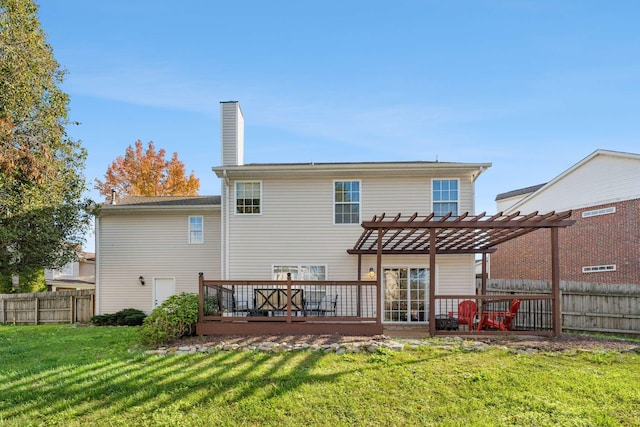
(406, 295)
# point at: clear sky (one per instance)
(531, 86)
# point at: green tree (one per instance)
(6, 285)
(43, 217)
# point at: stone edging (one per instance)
(371, 346)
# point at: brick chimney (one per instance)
(231, 133)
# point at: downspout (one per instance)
(97, 279)
(225, 248)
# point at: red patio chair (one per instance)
(501, 320)
(466, 313)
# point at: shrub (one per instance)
(126, 317)
(211, 305)
(130, 317)
(104, 319)
(174, 318)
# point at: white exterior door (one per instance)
(163, 288)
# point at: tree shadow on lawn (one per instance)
(151, 383)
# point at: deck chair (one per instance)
(502, 320)
(466, 313)
(240, 306)
(312, 301)
(328, 304)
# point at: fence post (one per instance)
(4, 311)
(74, 310)
(37, 306)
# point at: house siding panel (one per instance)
(603, 179)
(152, 245)
(296, 224)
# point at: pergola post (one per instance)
(379, 278)
(556, 310)
(483, 286)
(432, 282)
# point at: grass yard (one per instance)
(57, 375)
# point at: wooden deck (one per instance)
(277, 307)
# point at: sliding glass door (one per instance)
(406, 294)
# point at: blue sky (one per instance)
(530, 86)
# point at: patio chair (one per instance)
(240, 306)
(466, 313)
(502, 320)
(312, 301)
(328, 305)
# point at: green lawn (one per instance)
(55, 375)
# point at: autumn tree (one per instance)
(146, 173)
(43, 218)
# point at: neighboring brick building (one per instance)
(603, 246)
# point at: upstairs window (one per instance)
(196, 229)
(445, 197)
(346, 202)
(300, 272)
(597, 212)
(248, 198)
(67, 270)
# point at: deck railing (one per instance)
(351, 307)
(287, 301)
(533, 315)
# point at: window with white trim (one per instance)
(248, 197)
(196, 229)
(599, 268)
(346, 202)
(300, 272)
(596, 212)
(67, 270)
(445, 197)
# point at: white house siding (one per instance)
(152, 244)
(503, 205)
(603, 179)
(296, 224)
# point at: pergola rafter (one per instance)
(462, 234)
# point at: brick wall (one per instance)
(597, 240)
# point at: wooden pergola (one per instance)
(464, 234)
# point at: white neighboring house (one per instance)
(77, 275)
(274, 219)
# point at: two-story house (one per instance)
(76, 275)
(273, 219)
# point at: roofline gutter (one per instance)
(482, 169)
(374, 168)
(126, 208)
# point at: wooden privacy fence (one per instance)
(586, 306)
(47, 307)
